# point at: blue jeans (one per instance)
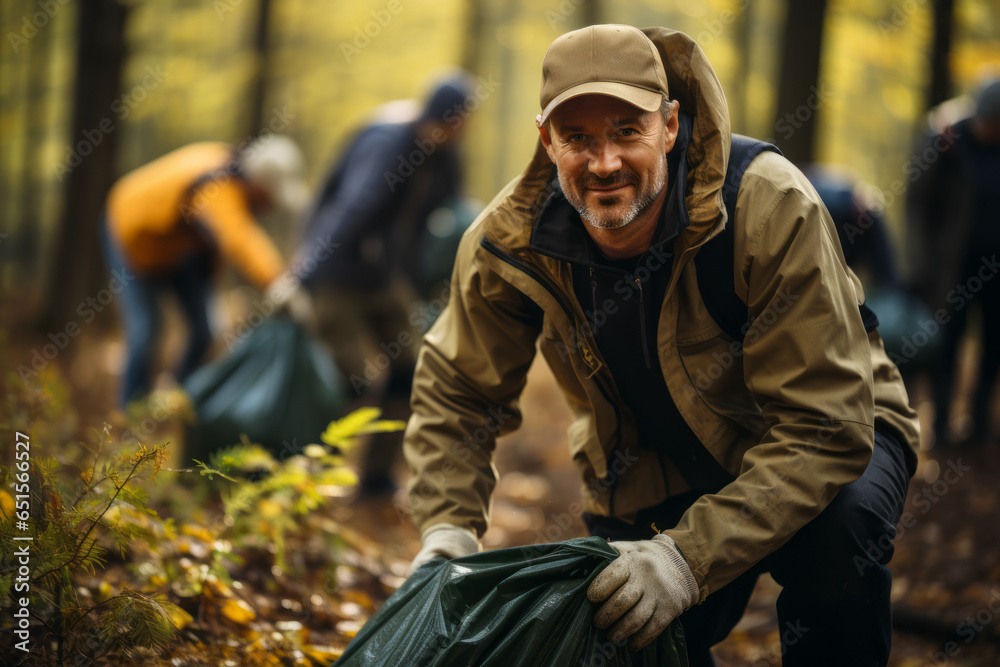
(191, 282)
(834, 605)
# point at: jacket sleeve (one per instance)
(470, 372)
(354, 193)
(241, 241)
(806, 361)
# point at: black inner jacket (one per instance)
(621, 299)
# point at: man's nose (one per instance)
(605, 159)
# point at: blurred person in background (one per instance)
(954, 213)
(168, 223)
(373, 209)
(869, 251)
(863, 235)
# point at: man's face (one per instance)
(611, 157)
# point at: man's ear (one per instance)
(673, 126)
(543, 132)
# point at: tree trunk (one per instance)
(591, 12)
(257, 114)
(14, 265)
(940, 87)
(474, 29)
(740, 96)
(799, 95)
(88, 168)
(30, 228)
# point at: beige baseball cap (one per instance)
(615, 60)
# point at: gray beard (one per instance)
(642, 202)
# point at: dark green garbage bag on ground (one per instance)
(276, 385)
(517, 606)
(438, 244)
(908, 328)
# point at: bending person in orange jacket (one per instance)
(168, 222)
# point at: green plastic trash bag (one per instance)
(276, 385)
(907, 327)
(517, 606)
(439, 243)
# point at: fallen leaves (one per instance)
(237, 611)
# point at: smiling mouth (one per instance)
(608, 188)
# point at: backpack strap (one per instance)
(230, 169)
(714, 261)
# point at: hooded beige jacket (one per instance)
(790, 414)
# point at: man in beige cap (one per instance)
(785, 446)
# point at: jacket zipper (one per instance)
(642, 323)
(642, 312)
(541, 280)
(593, 290)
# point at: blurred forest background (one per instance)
(159, 74)
(94, 88)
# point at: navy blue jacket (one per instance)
(374, 206)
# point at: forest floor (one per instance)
(946, 566)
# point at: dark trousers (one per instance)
(989, 362)
(191, 283)
(946, 365)
(834, 605)
(368, 334)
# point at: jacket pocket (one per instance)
(565, 349)
(714, 370)
(585, 447)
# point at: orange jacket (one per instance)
(160, 212)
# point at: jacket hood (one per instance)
(694, 84)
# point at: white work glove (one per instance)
(649, 585)
(287, 295)
(445, 540)
(300, 309)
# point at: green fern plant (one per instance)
(90, 506)
(70, 518)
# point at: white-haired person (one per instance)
(168, 224)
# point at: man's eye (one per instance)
(627, 132)
(576, 138)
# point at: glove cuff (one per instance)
(281, 289)
(686, 578)
(450, 541)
